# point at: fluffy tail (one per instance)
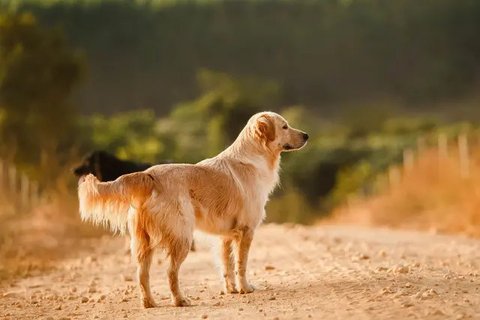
(107, 203)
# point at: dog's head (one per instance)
(274, 132)
(90, 164)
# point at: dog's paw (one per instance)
(148, 303)
(247, 288)
(182, 302)
(230, 290)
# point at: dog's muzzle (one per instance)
(80, 171)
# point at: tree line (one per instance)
(323, 54)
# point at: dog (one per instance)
(224, 195)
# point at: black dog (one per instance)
(107, 167)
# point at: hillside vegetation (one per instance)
(326, 54)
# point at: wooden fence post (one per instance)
(442, 146)
(463, 156)
(393, 177)
(408, 160)
(421, 145)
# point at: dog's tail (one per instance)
(107, 203)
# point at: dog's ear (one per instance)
(265, 128)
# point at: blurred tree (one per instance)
(193, 131)
(132, 135)
(206, 125)
(38, 72)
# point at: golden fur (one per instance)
(224, 195)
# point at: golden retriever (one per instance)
(224, 195)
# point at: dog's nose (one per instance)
(305, 136)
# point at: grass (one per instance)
(432, 195)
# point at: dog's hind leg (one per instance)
(244, 240)
(142, 253)
(178, 251)
(127, 245)
(228, 271)
(143, 270)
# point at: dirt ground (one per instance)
(327, 272)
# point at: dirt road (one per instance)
(300, 273)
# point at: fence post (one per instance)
(393, 177)
(442, 146)
(463, 155)
(421, 145)
(408, 160)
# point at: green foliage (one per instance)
(206, 125)
(133, 135)
(349, 181)
(194, 130)
(339, 162)
(38, 72)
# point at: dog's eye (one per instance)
(285, 127)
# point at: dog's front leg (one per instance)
(244, 241)
(228, 271)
